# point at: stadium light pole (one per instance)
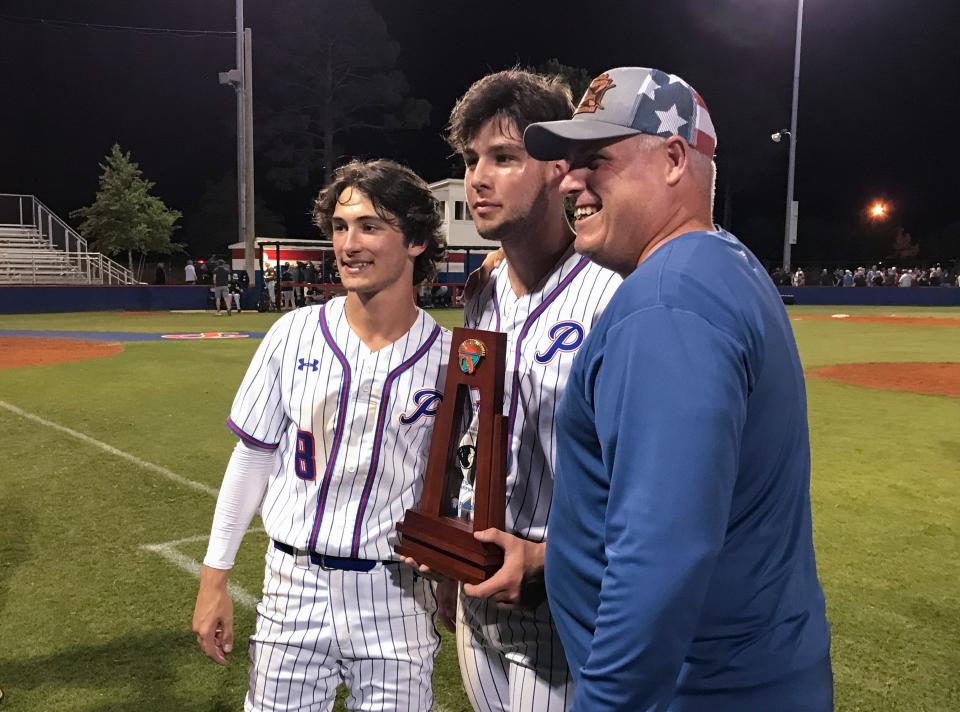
(240, 78)
(790, 223)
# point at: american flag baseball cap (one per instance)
(624, 102)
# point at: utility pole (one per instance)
(249, 226)
(241, 79)
(790, 228)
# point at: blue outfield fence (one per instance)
(874, 296)
(71, 298)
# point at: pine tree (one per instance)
(577, 77)
(125, 217)
(333, 72)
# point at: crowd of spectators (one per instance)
(299, 283)
(875, 276)
(293, 284)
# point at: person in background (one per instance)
(190, 273)
(160, 277)
(221, 286)
(296, 275)
(270, 282)
(286, 288)
(236, 291)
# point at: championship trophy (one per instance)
(435, 533)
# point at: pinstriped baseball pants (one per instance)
(315, 628)
(511, 661)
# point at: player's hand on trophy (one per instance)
(423, 569)
(213, 615)
(519, 582)
(447, 603)
(479, 277)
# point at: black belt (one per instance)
(340, 563)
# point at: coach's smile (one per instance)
(584, 212)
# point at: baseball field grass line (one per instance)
(197, 538)
(169, 550)
(192, 567)
(157, 469)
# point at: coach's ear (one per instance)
(678, 161)
(414, 251)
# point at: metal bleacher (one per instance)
(37, 247)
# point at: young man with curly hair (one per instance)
(334, 418)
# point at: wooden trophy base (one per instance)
(447, 546)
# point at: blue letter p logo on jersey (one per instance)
(428, 402)
(565, 336)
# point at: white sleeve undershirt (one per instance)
(243, 486)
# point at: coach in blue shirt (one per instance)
(680, 565)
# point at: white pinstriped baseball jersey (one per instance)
(352, 426)
(545, 329)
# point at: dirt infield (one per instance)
(891, 319)
(934, 378)
(19, 351)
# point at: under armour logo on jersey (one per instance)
(564, 336)
(312, 365)
(428, 402)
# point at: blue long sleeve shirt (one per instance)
(680, 565)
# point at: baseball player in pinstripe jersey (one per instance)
(546, 298)
(334, 418)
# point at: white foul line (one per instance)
(156, 469)
(237, 592)
(166, 550)
(169, 552)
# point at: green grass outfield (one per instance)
(90, 619)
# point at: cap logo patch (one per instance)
(593, 97)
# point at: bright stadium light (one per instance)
(878, 210)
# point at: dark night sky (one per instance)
(878, 95)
